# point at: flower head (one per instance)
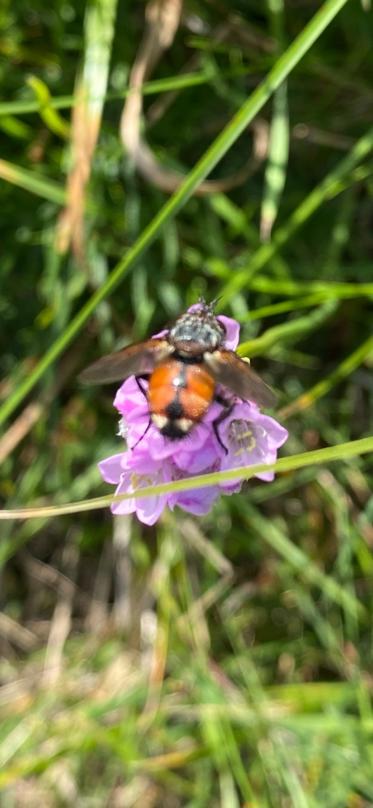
(251, 438)
(225, 438)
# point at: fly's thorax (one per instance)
(196, 332)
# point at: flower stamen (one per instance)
(122, 428)
(142, 480)
(242, 437)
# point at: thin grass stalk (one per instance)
(344, 369)
(342, 451)
(278, 151)
(32, 182)
(154, 87)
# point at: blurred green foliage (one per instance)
(225, 661)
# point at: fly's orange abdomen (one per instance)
(179, 390)
(161, 391)
(196, 397)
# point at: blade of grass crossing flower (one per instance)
(278, 151)
(343, 451)
(204, 166)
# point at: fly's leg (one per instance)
(228, 407)
(143, 434)
(139, 381)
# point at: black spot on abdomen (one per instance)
(172, 431)
(174, 409)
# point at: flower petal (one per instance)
(149, 509)
(199, 501)
(129, 399)
(232, 332)
(111, 468)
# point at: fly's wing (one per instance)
(135, 360)
(228, 369)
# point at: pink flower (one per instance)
(128, 471)
(251, 438)
(246, 437)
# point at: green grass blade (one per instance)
(329, 187)
(154, 87)
(278, 150)
(204, 166)
(15, 128)
(285, 332)
(285, 306)
(50, 116)
(343, 451)
(323, 387)
(32, 182)
(300, 562)
(341, 291)
(99, 30)
(275, 173)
